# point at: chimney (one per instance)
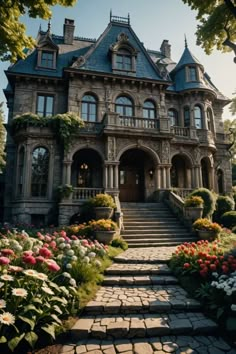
(166, 48)
(69, 29)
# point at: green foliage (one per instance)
(223, 204)
(13, 37)
(217, 26)
(230, 130)
(229, 219)
(208, 198)
(232, 107)
(193, 201)
(2, 138)
(103, 200)
(119, 242)
(103, 225)
(65, 190)
(206, 225)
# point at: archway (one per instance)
(136, 173)
(180, 172)
(87, 169)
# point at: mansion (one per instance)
(150, 124)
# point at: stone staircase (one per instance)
(152, 224)
(142, 309)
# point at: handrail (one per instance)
(176, 202)
(118, 213)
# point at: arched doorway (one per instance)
(87, 169)
(135, 166)
(180, 172)
(205, 167)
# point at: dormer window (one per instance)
(192, 73)
(124, 60)
(47, 59)
(123, 55)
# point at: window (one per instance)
(89, 108)
(186, 117)
(45, 105)
(209, 120)
(149, 110)
(124, 60)
(124, 106)
(198, 117)
(47, 59)
(39, 174)
(20, 171)
(192, 70)
(173, 115)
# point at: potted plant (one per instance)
(104, 206)
(105, 230)
(65, 191)
(207, 230)
(193, 208)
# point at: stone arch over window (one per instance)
(124, 106)
(187, 116)
(173, 115)
(20, 171)
(123, 54)
(198, 117)
(39, 171)
(149, 109)
(89, 107)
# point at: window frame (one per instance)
(44, 61)
(42, 191)
(20, 171)
(188, 119)
(149, 110)
(44, 112)
(174, 117)
(89, 104)
(198, 119)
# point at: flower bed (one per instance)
(39, 278)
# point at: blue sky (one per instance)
(153, 21)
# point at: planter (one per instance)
(207, 235)
(193, 213)
(105, 236)
(103, 212)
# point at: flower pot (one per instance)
(105, 236)
(207, 235)
(103, 212)
(193, 213)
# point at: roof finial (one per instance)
(128, 18)
(49, 25)
(185, 41)
(110, 14)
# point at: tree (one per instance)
(217, 26)
(230, 128)
(2, 138)
(232, 107)
(13, 39)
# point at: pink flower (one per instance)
(7, 252)
(53, 244)
(40, 259)
(4, 260)
(53, 266)
(45, 252)
(63, 233)
(29, 259)
(28, 253)
(40, 236)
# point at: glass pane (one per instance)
(128, 111)
(40, 166)
(89, 98)
(123, 100)
(145, 113)
(40, 105)
(148, 104)
(49, 106)
(119, 109)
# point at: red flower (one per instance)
(213, 267)
(4, 260)
(7, 252)
(225, 269)
(187, 265)
(29, 259)
(53, 266)
(40, 259)
(44, 252)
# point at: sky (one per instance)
(152, 21)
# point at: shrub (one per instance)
(103, 200)
(223, 204)
(228, 219)
(206, 225)
(208, 198)
(193, 201)
(119, 242)
(103, 225)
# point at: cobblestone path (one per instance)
(141, 309)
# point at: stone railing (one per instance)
(118, 213)
(182, 192)
(176, 202)
(85, 193)
(181, 131)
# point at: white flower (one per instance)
(2, 304)
(7, 318)
(60, 256)
(19, 292)
(42, 276)
(97, 263)
(233, 307)
(66, 275)
(30, 272)
(68, 266)
(92, 254)
(74, 258)
(72, 282)
(67, 246)
(60, 239)
(86, 259)
(70, 253)
(47, 290)
(62, 246)
(215, 274)
(7, 277)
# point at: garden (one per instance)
(207, 268)
(46, 277)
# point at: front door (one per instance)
(131, 184)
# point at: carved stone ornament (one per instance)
(165, 153)
(79, 62)
(123, 37)
(111, 147)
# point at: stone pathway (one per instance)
(141, 309)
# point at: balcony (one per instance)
(206, 137)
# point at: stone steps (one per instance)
(138, 269)
(139, 280)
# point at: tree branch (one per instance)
(229, 43)
(231, 6)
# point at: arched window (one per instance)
(149, 110)
(124, 106)
(39, 174)
(123, 60)
(198, 117)
(186, 117)
(173, 115)
(89, 108)
(21, 158)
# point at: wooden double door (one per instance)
(131, 184)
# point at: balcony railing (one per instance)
(181, 131)
(85, 193)
(91, 127)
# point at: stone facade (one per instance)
(170, 133)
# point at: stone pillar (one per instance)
(105, 176)
(188, 177)
(168, 181)
(117, 176)
(200, 176)
(212, 178)
(27, 177)
(158, 177)
(66, 174)
(163, 177)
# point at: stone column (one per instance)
(212, 178)
(27, 175)
(168, 181)
(117, 176)
(158, 177)
(188, 177)
(163, 177)
(105, 176)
